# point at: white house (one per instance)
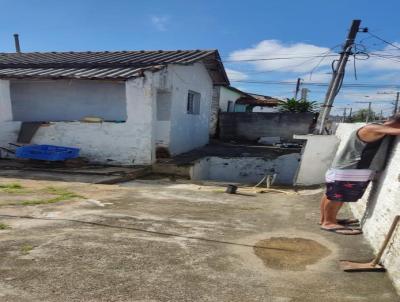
(147, 100)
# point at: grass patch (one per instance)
(12, 188)
(61, 195)
(26, 248)
(52, 195)
(4, 226)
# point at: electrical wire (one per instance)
(277, 58)
(383, 40)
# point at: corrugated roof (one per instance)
(259, 100)
(105, 65)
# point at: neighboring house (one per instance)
(145, 99)
(257, 103)
(231, 99)
(224, 100)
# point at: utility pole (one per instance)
(304, 93)
(369, 110)
(344, 116)
(396, 103)
(351, 111)
(297, 88)
(337, 76)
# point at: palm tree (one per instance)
(298, 106)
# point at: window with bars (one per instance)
(193, 102)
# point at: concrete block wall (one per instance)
(214, 111)
(253, 125)
(379, 205)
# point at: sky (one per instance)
(249, 35)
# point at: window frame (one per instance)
(193, 102)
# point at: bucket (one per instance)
(231, 189)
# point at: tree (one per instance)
(298, 106)
(361, 116)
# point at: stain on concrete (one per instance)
(291, 254)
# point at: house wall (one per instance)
(5, 101)
(265, 109)
(252, 125)
(126, 143)
(189, 131)
(225, 96)
(379, 205)
(67, 100)
(214, 111)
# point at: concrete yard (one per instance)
(172, 240)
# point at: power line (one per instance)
(355, 85)
(383, 40)
(279, 58)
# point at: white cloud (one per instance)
(275, 48)
(386, 59)
(235, 75)
(160, 22)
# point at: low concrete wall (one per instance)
(379, 206)
(253, 125)
(317, 156)
(246, 170)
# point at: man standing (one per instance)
(352, 170)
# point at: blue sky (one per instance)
(238, 29)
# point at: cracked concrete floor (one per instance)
(158, 240)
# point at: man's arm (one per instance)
(382, 129)
(371, 133)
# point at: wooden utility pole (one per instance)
(297, 88)
(396, 103)
(304, 94)
(337, 76)
(369, 112)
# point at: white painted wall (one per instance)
(5, 101)
(265, 109)
(126, 143)
(317, 156)
(134, 141)
(226, 95)
(67, 100)
(246, 170)
(8, 134)
(189, 131)
(379, 205)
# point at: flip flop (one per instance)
(347, 221)
(337, 231)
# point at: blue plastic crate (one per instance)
(46, 152)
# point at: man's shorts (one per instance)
(347, 185)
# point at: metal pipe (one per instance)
(17, 46)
